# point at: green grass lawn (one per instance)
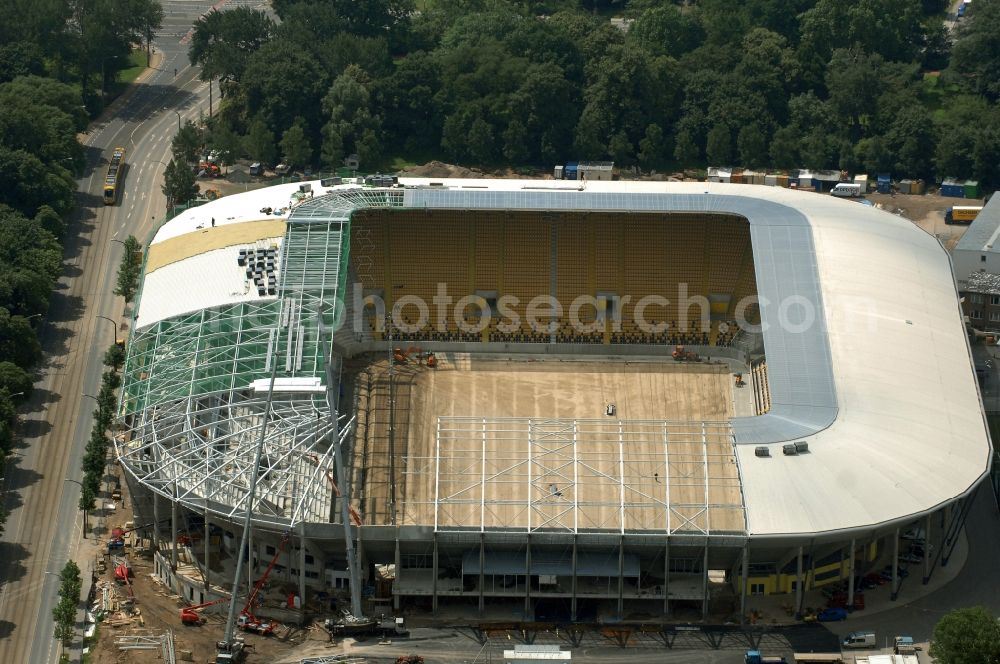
(137, 64)
(935, 94)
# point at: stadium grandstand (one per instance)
(584, 403)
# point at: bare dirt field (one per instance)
(397, 477)
(927, 212)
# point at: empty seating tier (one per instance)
(662, 278)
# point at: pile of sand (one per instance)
(439, 169)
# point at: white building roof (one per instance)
(881, 386)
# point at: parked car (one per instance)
(832, 614)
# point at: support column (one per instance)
(666, 577)
(302, 571)
(399, 575)
(798, 585)
(482, 573)
(156, 521)
(895, 565)
(621, 576)
(704, 581)
(173, 529)
(744, 582)
(927, 550)
(850, 575)
(208, 558)
(572, 601)
(528, 613)
(434, 574)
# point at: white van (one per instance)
(860, 640)
(846, 190)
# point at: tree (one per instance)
(752, 146)
(652, 147)
(15, 380)
(718, 148)
(179, 184)
(967, 636)
(64, 613)
(18, 342)
(114, 357)
(296, 145)
(187, 143)
(260, 143)
(223, 42)
(976, 53)
(353, 126)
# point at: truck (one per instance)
(859, 640)
(846, 190)
(904, 645)
(962, 214)
(754, 657)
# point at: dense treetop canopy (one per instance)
(863, 85)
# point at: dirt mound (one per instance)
(439, 169)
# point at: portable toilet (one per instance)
(952, 187)
(971, 189)
(862, 181)
(884, 183)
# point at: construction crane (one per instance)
(190, 615)
(247, 621)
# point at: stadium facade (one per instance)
(259, 312)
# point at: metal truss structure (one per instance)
(164, 643)
(195, 389)
(583, 476)
(195, 385)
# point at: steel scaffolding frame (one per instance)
(192, 402)
(582, 476)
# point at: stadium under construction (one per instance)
(547, 400)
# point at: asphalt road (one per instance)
(43, 529)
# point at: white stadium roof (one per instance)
(881, 386)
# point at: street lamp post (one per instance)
(178, 119)
(114, 326)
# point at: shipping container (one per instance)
(557, 173)
(884, 183)
(771, 180)
(971, 189)
(918, 187)
(783, 180)
(952, 187)
(863, 181)
(570, 171)
(905, 186)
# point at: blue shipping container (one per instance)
(952, 188)
(571, 170)
(884, 185)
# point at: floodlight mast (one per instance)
(342, 477)
(254, 476)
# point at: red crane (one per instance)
(247, 621)
(190, 615)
